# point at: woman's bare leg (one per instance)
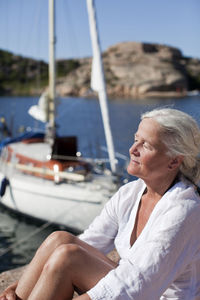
(36, 269)
(69, 267)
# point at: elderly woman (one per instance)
(153, 222)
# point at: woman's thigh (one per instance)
(90, 269)
(80, 263)
(63, 237)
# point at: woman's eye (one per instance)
(145, 145)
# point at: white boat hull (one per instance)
(73, 205)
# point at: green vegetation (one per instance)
(25, 76)
(64, 67)
(19, 76)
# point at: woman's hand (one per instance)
(9, 293)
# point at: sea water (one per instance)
(20, 237)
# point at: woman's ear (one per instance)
(175, 162)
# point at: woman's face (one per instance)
(148, 158)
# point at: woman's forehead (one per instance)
(148, 125)
(150, 131)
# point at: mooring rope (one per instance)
(4, 251)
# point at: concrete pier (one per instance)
(8, 277)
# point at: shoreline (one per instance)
(147, 95)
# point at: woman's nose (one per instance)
(134, 148)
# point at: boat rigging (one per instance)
(45, 176)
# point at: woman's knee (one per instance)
(56, 239)
(60, 237)
(63, 258)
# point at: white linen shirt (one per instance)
(164, 261)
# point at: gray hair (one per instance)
(181, 135)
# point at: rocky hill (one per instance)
(18, 75)
(132, 70)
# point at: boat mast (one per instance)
(98, 82)
(51, 126)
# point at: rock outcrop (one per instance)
(132, 70)
(137, 70)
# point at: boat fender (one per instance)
(4, 184)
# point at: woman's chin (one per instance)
(131, 170)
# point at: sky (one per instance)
(24, 25)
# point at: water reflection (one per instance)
(19, 238)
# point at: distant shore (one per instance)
(132, 70)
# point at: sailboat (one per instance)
(41, 174)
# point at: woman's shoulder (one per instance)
(185, 190)
(182, 198)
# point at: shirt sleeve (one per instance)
(102, 231)
(164, 249)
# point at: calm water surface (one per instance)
(81, 117)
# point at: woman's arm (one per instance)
(115, 214)
(103, 229)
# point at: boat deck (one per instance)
(38, 151)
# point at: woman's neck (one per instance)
(158, 189)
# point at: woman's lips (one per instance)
(134, 161)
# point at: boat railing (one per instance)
(10, 163)
(44, 171)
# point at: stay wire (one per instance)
(4, 251)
